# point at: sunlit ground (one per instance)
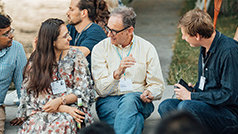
(27, 16)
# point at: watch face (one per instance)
(63, 101)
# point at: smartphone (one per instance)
(185, 84)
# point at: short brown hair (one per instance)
(197, 21)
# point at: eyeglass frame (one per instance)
(112, 30)
(66, 36)
(9, 33)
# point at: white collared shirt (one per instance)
(145, 74)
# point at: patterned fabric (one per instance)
(78, 81)
(12, 62)
(145, 74)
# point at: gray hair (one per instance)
(128, 15)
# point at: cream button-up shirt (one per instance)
(145, 74)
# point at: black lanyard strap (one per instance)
(76, 40)
(204, 62)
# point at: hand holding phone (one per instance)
(183, 83)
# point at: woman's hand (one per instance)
(17, 121)
(76, 114)
(52, 105)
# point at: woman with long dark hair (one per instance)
(53, 82)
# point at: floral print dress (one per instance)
(73, 69)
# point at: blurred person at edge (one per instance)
(214, 101)
(98, 128)
(12, 62)
(52, 83)
(236, 34)
(82, 18)
(179, 122)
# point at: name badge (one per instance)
(58, 87)
(202, 83)
(125, 85)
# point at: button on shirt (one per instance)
(221, 73)
(145, 74)
(12, 62)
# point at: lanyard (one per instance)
(122, 54)
(58, 73)
(204, 64)
(76, 40)
(128, 52)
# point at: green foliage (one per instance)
(184, 62)
(185, 58)
(187, 5)
(126, 2)
(227, 24)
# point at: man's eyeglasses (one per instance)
(115, 32)
(8, 33)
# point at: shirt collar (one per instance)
(4, 51)
(128, 46)
(214, 44)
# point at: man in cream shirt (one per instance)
(127, 74)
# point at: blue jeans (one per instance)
(216, 119)
(126, 113)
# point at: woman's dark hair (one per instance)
(97, 10)
(43, 60)
(5, 21)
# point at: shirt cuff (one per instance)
(112, 80)
(157, 93)
(194, 95)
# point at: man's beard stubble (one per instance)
(75, 23)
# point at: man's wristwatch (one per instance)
(63, 101)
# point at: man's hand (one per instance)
(126, 62)
(147, 96)
(17, 121)
(52, 105)
(182, 93)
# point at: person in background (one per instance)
(12, 62)
(214, 99)
(179, 122)
(127, 74)
(53, 81)
(112, 4)
(98, 128)
(82, 18)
